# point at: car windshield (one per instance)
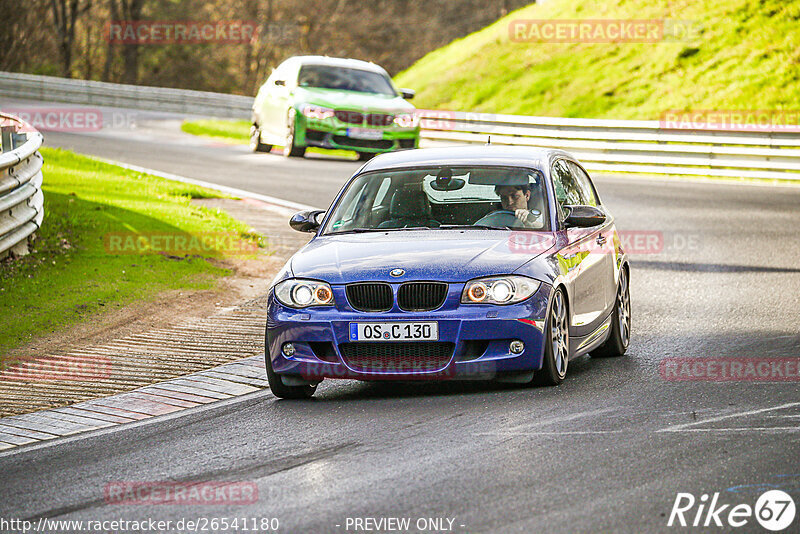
(435, 198)
(329, 77)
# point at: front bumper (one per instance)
(332, 133)
(478, 337)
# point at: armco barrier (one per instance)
(627, 145)
(21, 198)
(53, 89)
(601, 145)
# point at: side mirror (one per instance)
(408, 94)
(306, 221)
(280, 82)
(584, 217)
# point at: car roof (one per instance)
(336, 62)
(486, 155)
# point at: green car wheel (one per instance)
(255, 140)
(290, 150)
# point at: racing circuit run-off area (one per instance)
(441, 266)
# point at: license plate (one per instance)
(428, 331)
(365, 133)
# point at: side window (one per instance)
(380, 196)
(584, 184)
(567, 190)
(353, 206)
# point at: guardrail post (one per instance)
(6, 143)
(18, 139)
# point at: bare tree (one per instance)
(113, 12)
(16, 32)
(253, 47)
(65, 35)
(65, 15)
(131, 11)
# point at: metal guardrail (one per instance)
(627, 145)
(54, 89)
(21, 197)
(601, 145)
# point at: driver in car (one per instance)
(515, 198)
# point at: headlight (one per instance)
(317, 112)
(407, 120)
(299, 293)
(499, 290)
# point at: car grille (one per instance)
(379, 119)
(350, 117)
(324, 351)
(421, 296)
(315, 135)
(370, 297)
(382, 144)
(356, 117)
(397, 357)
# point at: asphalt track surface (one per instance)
(607, 451)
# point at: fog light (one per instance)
(288, 350)
(516, 346)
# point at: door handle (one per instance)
(601, 240)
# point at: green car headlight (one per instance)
(407, 120)
(317, 112)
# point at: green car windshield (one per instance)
(344, 79)
(435, 198)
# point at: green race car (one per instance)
(332, 103)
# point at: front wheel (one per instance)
(290, 150)
(281, 390)
(255, 140)
(620, 336)
(556, 343)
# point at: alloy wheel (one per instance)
(559, 334)
(624, 308)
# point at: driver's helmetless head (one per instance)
(513, 197)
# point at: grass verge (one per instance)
(92, 254)
(738, 55)
(230, 131)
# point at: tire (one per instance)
(290, 150)
(620, 336)
(281, 390)
(255, 140)
(365, 156)
(556, 343)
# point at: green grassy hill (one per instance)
(746, 55)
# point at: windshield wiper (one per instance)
(479, 226)
(362, 230)
(356, 231)
(408, 228)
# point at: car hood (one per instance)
(351, 100)
(450, 256)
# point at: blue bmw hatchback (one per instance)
(451, 263)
